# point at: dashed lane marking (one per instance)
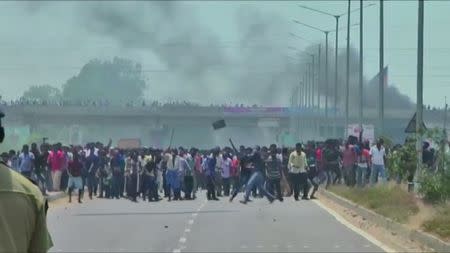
(183, 239)
(176, 251)
(187, 230)
(191, 222)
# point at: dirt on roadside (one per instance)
(388, 238)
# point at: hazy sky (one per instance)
(48, 42)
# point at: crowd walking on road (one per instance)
(151, 174)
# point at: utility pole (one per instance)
(361, 70)
(419, 118)
(381, 74)
(347, 74)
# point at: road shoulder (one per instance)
(385, 239)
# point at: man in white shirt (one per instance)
(226, 173)
(298, 171)
(378, 157)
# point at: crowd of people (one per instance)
(106, 103)
(179, 173)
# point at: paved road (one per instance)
(201, 226)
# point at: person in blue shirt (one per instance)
(26, 162)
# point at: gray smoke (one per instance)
(197, 61)
(393, 99)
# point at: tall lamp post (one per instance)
(361, 70)
(312, 77)
(381, 74)
(336, 52)
(347, 73)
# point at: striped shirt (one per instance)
(273, 168)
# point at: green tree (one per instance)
(119, 81)
(42, 92)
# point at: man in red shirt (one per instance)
(348, 164)
(56, 161)
(235, 172)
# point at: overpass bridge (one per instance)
(192, 124)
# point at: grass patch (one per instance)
(389, 201)
(440, 223)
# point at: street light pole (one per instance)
(381, 73)
(305, 81)
(318, 78)
(336, 75)
(308, 84)
(326, 77)
(361, 56)
(347, 74)
(336, 55)
(312, 79)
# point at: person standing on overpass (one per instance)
(23, 208)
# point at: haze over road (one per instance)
(201, 226)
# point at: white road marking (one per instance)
(183, 239)
(187, 230)
(191, 222)
(176, 251)
(355, 229)
(337, 246)
(194, 214)
(244, 246)
(305, 246)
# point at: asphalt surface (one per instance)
(201, 226)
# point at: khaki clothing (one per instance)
(23, 223)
